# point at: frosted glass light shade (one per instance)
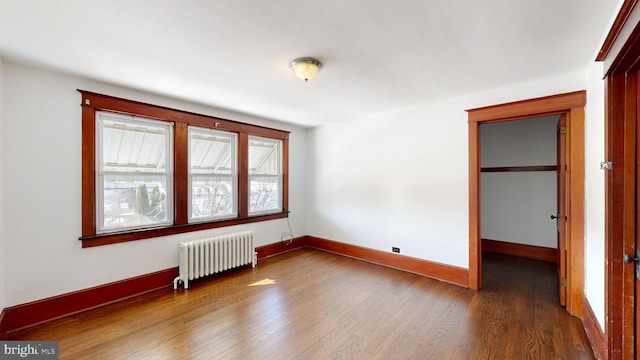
(305, 68)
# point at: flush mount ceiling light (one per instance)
(305, 68)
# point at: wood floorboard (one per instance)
(310, 304)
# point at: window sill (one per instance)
(114, 238)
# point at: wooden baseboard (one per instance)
(281, 247)
(40, 311)
(3, 331)
(525, 251)
(447, 273)
(36, 312)
(594, 331)
(25, 315)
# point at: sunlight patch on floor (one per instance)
(263, 282)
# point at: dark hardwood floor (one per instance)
(309, 304)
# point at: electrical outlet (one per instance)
(395, 249)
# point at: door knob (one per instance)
(553, 217)
(628, 259)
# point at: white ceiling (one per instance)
(378, 55)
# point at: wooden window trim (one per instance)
(92, 102)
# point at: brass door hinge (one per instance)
(563, 282)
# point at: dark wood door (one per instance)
(620, 55)
(631, 258)
(621, 197)
(636, 253)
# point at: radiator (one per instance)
(210, 255)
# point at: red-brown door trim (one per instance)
(572, 105)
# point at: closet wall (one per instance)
(516, 204)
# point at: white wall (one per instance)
(594, 193)
(42, 190)
(401, 178)
(516, 206)
(2, 228)
(527, 142)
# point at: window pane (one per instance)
(134, 201)
(134, 172)
(212, 174)
(265, 175)
(129, 145)
(212, 197)
(265, 193)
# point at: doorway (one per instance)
(571, 107)
(522, 191)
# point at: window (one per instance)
(265, 176)
(151, 171)
(212, 174)
(134, 172)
